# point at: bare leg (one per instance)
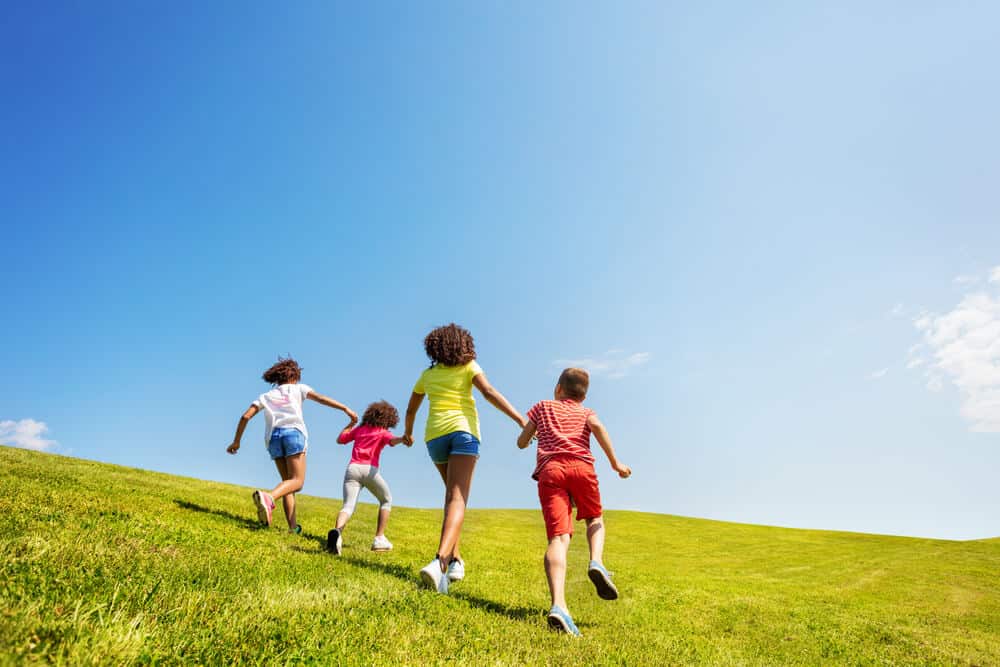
(342, 519)
(457, 484)
(383, 520)
(555, 569)
(595, 539)
(443, 469)
(293, 474)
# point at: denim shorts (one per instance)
(286, 442)
(457, 442)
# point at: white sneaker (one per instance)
(381, 543)
(434, 578)
(456, 570)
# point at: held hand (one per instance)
(233, 448)
(623, 470)
(408, 439)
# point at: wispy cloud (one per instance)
(613, 363)
(879, 374)
(897, 311)
(965, 279)
(27, 434)
(962, 346)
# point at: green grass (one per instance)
(104, 564)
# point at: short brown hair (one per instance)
(284, 371)
(574, 383)
(450, 345)
(380, 414)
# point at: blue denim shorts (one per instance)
(457, 442)
(286, 442)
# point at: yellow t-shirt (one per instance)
(449, 389)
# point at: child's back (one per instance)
(563, 431)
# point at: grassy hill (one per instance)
(103, 564)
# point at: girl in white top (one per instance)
(285, 435)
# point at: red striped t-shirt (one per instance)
(562, 430)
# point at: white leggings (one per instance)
(358, 475)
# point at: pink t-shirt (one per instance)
(563, 430)
(369, 441)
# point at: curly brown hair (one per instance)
(450, 345)
(380, 414)
(285, 371)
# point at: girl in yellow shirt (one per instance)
(452, 435)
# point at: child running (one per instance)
(285, 435)
(362, 471)
(566, 476)
(452, 436)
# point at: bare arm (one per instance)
(497, 399)
(411, 415)
(396, 441)
(527, 433)
(330, 403)
(604, 440)
(346, 431)
(244, 420)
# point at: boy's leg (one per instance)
(595, 539)
(555, 569)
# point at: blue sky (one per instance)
(771, 231)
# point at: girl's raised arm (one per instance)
(330, 403)
(247, 416)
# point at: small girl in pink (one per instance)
(370, 438)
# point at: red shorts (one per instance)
(562, 484)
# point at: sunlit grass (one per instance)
(104, 565)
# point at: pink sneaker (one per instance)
(265, 506)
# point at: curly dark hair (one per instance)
(380, 414)
(450, 345)
(285, 371)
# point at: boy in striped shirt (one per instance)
(566, 476)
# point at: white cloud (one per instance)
(897, 310)
(965, 279)
(27, 434)
(962, 346)
(613, 363)
(995, 275)
(879, 374)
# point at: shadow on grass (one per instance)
(252, 524)
(407, 574)
(242, 520)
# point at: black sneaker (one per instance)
(334, 542)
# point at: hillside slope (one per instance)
(115, 565)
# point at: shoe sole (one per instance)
(381, 549)
(428, 580)
(605, 589)
(258, 500)
(333, 542)
(557, 623)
